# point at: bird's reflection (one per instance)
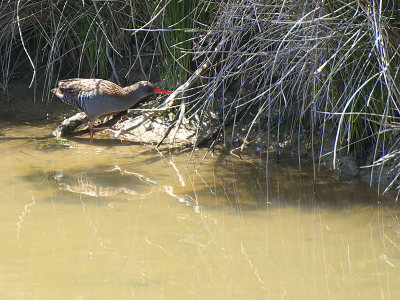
(101, 183)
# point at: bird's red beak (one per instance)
(161, 91)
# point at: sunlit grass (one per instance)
(175, 24)
(71, 36)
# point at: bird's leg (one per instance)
(92, 129)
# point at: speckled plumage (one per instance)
(98, 97)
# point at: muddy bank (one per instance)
(346, 164)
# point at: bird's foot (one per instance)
(113, 130)
(103, 128)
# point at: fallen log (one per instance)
(70, 124)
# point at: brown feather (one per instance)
(74, 86)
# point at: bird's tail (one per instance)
(66, 98)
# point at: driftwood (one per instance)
(70, 124)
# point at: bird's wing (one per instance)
(77, 87)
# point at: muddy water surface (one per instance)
(120, 221)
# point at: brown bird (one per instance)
(98, 97)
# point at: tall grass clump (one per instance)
(311, 64)
(76, 36)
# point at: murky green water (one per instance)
(114, 221)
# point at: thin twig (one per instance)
(23, 45)
(180, 119)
